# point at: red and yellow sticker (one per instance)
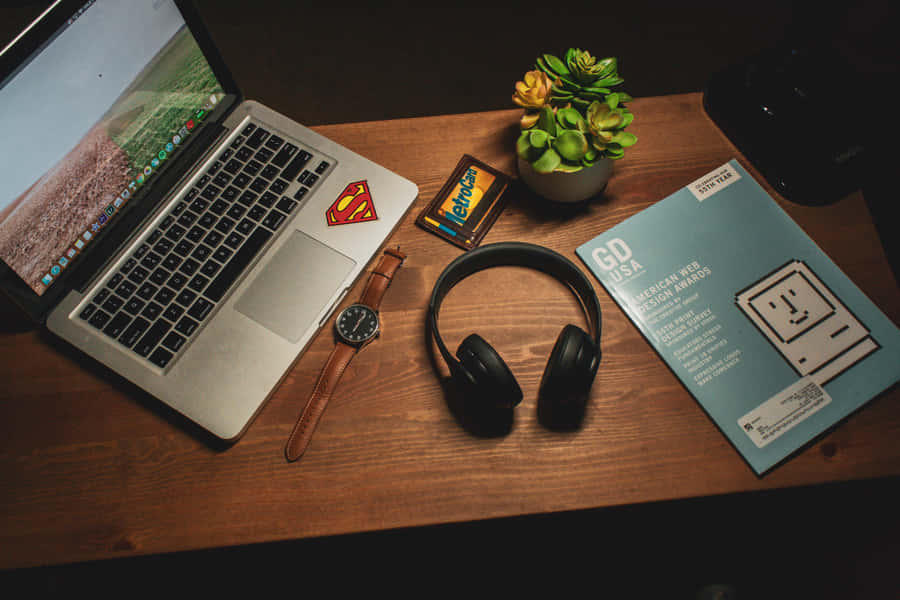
(353, 205)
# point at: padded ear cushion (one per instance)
(486, 371)
(568, 376)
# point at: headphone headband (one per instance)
(515, 254)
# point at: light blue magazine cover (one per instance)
(764, 330)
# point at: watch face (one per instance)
(357, 323)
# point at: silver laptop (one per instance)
(191, 241)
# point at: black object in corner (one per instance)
(781, 109)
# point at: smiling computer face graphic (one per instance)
(806, 322)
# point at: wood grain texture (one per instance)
(91, 468)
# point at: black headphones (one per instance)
(482, 375)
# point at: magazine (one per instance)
(763, 329)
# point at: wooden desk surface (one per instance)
(92, 469)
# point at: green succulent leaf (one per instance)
(548, 161)
(571, 145)
(547, 121)
(569, 118)
(625, 139)
(610, 81)
(565, 167)
(523, 146)
(627, 118)
(581, 102)
(596, 90)
(538, 138)
(615, 152)
(555, 64)
(607, 66)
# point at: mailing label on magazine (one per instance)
(780, 413)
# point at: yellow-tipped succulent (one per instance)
(572, 118)
(533, 91)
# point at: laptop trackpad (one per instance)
(289, 293)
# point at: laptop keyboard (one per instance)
(161, 295)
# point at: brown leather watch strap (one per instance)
(340, 357)
(312, 412)
(381, 278)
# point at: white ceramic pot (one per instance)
(568, 187)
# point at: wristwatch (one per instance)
(355, 326)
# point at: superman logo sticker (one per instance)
(353, 205)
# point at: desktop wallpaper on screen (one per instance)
(90, 119)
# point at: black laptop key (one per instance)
(186, 326)
(234, 240)
(274, 142)
(185, 297)
(87, 312)
(164, 295)
(252, 167)
(196, 233)
(189, 267)
(101, 296)
(112, 304)
(278, 186)
(146, 291)
(293, 169)
(173, 341)
(173, 312)
(245, 226)
(259, 185)
(269, 172)
(286, 205)
(163, 246)
(284, 155)
(117, 325)
(247, 198)
(257, 138)
(263, 155)
(99, 319)
(138, 274)
(151, 338)
(134, 331)
(219, 207)
(230, 193)
(151, 311)
(274, 219)
(201, 309)
(125, 289)
(211, 191)
(268, 199)
(177, 281)
(161, 357)
(198, 282)
(134, 306)
(233, 166)
(238, 263)
(129, 265)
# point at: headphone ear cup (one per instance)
(566, 382)
(486, 372)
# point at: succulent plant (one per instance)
(572, 117)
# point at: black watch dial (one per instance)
(357, 324)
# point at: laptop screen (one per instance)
(87, 120)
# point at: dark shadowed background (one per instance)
(331, 62)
